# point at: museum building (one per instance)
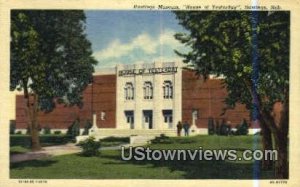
(150, 96)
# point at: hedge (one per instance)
(25, 140)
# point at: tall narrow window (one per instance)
(168, 90)
(102, 115)
(168, 117)
(148, 90)
(129, 91)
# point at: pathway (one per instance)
(49, 151)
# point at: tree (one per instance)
(51, 61)
(251, 51)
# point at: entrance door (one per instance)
(148, 121)
(168, 118)
(130, 118)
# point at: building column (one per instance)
(158, 99)
(177, 94)
(138, 99)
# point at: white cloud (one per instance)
(159, 47)
(117, 49)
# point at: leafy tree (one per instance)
(51, 60)
(251, 51)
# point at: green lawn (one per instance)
(18, 150)
(21, 143)
(110, 166)
(114, 141)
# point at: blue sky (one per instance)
(130, 37)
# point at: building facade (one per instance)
(144, 97)
(149, 96)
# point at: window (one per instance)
(168, 119)
(148, 90)
(102, 115)
(168, 90)
(195, 113)
(129, 91)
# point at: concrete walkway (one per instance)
(50, 151)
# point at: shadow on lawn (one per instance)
(197, 169)
(32, 163)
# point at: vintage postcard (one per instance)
(127, 93)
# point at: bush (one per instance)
(18, 132)
(28, 130)
(25, 140)
(217, 131)
(12, 127)
(116, 139)
(242, 129)
(225, 129)
(74, 129)
(87, 126)
(47, 130)
(211, 126)
(162, 139)
(57, 132)
(90, 147)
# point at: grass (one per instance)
(114, 141)
(20, 143)
(110, 166)
(18, 150)
(24, 145)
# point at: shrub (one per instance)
(28, 130)
(224, 129)
(12, 127)
(211, 126)
(47, 130)
(90, 147)
(25, 140)
(87, 126)
(162, 139)
(74, 129)
(217, 131)
(19, 132)
(242, 129)
(116, 139)
(57, 132)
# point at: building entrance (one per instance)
(130, 118)
(168, 118)
(147, 119)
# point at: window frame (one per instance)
(129, 91)
(148, 90)
(168, 89)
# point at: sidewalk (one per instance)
(69, 148)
